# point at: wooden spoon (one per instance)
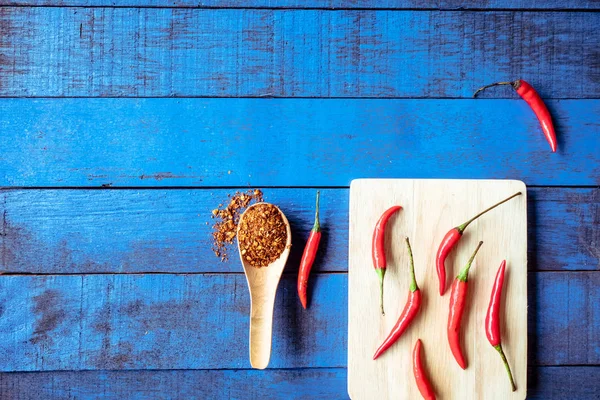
(262, 283)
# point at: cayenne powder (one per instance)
(225, 229)
(262, 235)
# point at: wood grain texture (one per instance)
(151, 52)
(554, 5)
(106, 322)
(114, 231)
(430, 209)
(550, 383)
(161, 322)
(303, 384)
(215, 142)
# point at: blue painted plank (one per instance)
(152, 52)
(107, 231)
(545, 383)
(91, 322)
(162, 322)
(567, 333)
(290, 142)
(335, 4)
(322, 383)
(556, 383)
(564, 229)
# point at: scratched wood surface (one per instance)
(74, 244)
(553, 5)
(131, 321)
(134, 231)
(149, 52)
(212, 142)
(551, 383)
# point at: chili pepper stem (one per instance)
(413, 281)
(461, 228)
(381, 274)
(317, 226)
(492, 85)
(464, 274)
(510, 376)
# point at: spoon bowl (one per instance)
(262, 284)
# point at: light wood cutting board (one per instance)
(430, 209)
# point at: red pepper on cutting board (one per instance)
(451, 239)
(411, 309)
(533, 99)
(378, 248)
(492, 320)
(458, 297)
(420, 376)
(308, 257)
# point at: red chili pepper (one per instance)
(378, 248)
(450, 240)
(420, 376)
(492, 320)
(308, 257)
(408, 314)
(457, 308)
(533, 99)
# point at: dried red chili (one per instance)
(262, 235)
(492, 320)
(451, 239)
(411, 309)
(378, 248)
(420, 376)
(225, 230)
(533, 99)
(457, 308)
(308, 257)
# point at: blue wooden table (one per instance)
(124, 123)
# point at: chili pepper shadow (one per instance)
(296, 322)
(558, 126)
(300, 232)
(474, 279)
(292, 320)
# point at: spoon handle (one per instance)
(261, 328)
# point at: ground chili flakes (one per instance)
(263, 235)
(225, 229)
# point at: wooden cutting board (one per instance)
(430, 209)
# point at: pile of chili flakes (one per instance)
(262, 235)
(225, 229)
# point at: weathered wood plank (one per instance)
(105, 231)
(561, 334)
(555, 383)
(322, 383)
(545, 383)
(345, 4)
(238, 142)
(161, 322)
(144, 321)
(151, 52)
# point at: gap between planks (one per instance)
(313, 8)
(157, 187)
(273, 97)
